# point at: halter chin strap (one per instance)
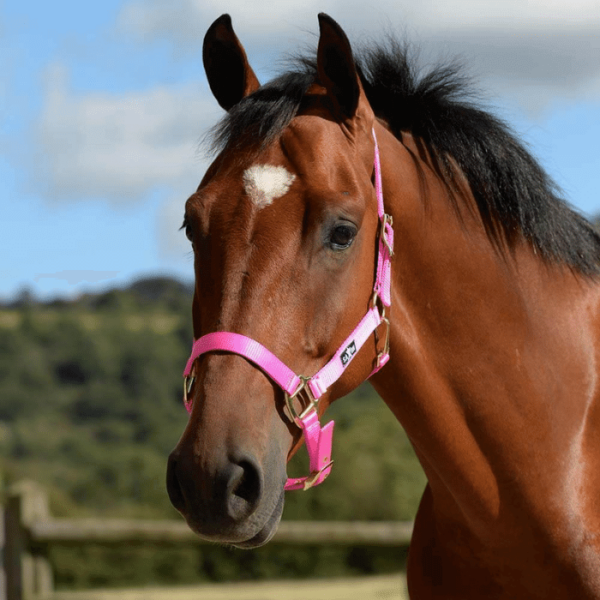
(306, 391)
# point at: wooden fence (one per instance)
(27, 530)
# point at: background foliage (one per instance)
(90, 406)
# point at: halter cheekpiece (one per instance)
(308, 390)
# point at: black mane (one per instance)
(513, 193)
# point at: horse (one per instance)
(488, 354)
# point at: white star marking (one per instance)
(265, 183)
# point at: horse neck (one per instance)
(478, 364)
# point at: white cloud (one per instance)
(185, 21)
(509, 14)
(535, 67)
(118, 146)
(532, 50)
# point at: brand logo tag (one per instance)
(348, 353)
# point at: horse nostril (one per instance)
(245, 488)
(173, 487)
(233, 493)
(248, 487)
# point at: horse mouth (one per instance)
(268, 530)
(235, 535)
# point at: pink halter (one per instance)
(309, 389)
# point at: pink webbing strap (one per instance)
(383, 276)
(333, 370)
(283, 376)
(318, 440)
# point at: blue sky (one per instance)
(103, 106)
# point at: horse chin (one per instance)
(268, 530)
(253, 533)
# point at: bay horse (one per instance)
(492, 321)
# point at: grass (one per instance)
(383, 587)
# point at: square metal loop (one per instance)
(305, 395)
(387, 220)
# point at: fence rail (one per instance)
(29, 530)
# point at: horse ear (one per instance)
(336, 67)
(229, 74)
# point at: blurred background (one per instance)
(103, 109)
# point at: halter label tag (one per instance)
(348, 353)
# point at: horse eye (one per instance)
(342, 236)
(188, 230)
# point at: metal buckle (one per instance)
(384, 319)
(311, 401)
(312, 478)
(387, 219)
(374, 298)
(386, 345)
(188, 384)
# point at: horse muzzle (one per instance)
(230, 503)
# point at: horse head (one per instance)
(283, 228)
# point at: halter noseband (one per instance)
(309, 389)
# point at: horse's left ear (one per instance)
(228, 71)
(336, 68)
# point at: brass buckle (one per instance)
(312, 478)
(387, 219)
(188, 384)
(386, 345)
(310, 400)
(374, 299)
(384, 319)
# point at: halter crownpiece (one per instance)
(308, 390)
